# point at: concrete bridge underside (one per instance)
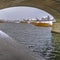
(51, 6)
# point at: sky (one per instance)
(22, 12)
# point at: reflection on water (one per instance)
(37, 39)
(56, 41)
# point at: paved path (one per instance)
(12, 50)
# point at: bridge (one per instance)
(51, 6)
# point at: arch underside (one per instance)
(51, 6)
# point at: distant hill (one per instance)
(51, 6)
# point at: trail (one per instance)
(12, 50)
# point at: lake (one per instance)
(37, 39)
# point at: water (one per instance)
(56, 42)
(37, 39)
